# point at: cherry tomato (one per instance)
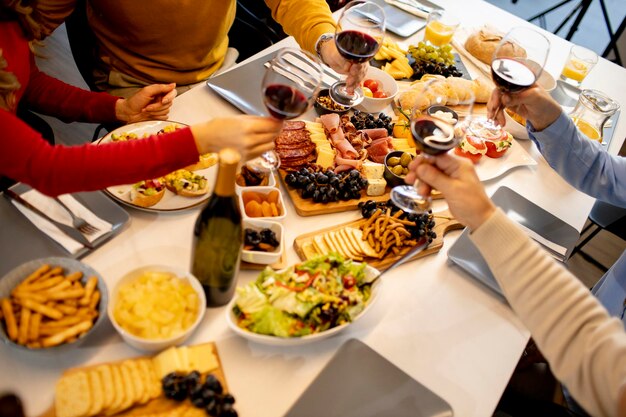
(380, 94)
(348, 281)
(373, 85)
(492, 150)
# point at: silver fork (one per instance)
(79, 223)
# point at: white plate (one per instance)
(490, 168)
(370, 272)
(170, 201)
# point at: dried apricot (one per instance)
(274, 208)
(253, 209)
(272, 197)
(251, 196)
(266, 209)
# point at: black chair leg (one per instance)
(578, 247)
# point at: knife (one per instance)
(68, 230)
(412, 7)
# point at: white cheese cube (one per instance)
(376, 187)
(373, 170)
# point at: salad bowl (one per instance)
(370, 274)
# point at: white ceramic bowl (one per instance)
(259, 257)
(18, 274)
(263, 190)
(514, 128)
(155, 345)
(547, 81)
(389, 86)
(271, 183)
(370, 273)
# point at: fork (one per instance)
(79, 223)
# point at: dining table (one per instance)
(431, 319)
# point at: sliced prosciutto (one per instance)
(379, 148)
(353, 163)
(380, 132)
(332, 125)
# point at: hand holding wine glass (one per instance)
(433, 136)
(358, 37)
(289, 87)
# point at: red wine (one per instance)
(284, 102)
(511, 75)
(433, 136)
(356, 46)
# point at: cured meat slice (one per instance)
(294, 125)
(380, 132)
(295, 153)
(353, 163)
(292, 136)
(330, 121)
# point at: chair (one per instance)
(603, 216)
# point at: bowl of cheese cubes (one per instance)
(156, 306)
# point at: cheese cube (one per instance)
(376, 187)
(400, 144)
(325, 159)
(373, 170)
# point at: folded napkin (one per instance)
(49, 206)
(407, 7)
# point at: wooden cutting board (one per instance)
(160, 406)
(444, 222)
(307, 207)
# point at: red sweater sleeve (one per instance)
(25, 156)
(52, 97)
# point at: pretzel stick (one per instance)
(53, 313)
(89, 288)
(59, 338)
(35, 322)
(9, 319)
(22, 336)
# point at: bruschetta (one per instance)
(186, 183)
(147, 193)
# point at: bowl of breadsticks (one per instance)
(51, 304)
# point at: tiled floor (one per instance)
(605, 247)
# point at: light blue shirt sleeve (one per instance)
(582, 162)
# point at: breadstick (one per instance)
(63, 285)
(40, 298)
(89, 288)
(62, 295)
(64, 322)
(61, 337)
(22, 336)
(9, 319)
(67, 309)
(35, 322)
(53, 313)
(74, 276)
(36, 275)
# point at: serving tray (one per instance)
(22, 241)
(444, 222)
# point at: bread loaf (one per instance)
(483, 43)
(451, 92)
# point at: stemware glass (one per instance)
(518, 62)
(358, 36)
(289, 86)
(433, 136)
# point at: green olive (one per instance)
(405, 159)
(393, 161)
(398, 170)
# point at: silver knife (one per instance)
(68, 230)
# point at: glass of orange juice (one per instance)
(579, 62)
(440, 27)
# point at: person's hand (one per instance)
(150, 103)
(356, 72)
(457, 180)
(250, 135)
(533, 104)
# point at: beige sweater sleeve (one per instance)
(584, 346)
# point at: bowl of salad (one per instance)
(303, 303)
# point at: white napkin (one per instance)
(57, 212)
(407, 8)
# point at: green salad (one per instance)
(307, 298)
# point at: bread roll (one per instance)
(483, 43)
(454, 91)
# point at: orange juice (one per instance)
(575, 69)
(438, 33)
(587, 129)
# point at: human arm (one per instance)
(581, 162)
(53, 170)
(584, 346)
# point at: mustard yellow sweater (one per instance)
(182, 41)
(585, 347)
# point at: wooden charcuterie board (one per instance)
(307, 207)
(159, 406)
(444, 222)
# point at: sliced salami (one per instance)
(294, 125)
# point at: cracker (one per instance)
(96, 390)
(141, 396)
(108, 386)
(129, 386)
(151, 383)
(72, 395)
(320, 245)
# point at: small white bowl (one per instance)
(389, 86)
(155, 345)
(514, 128)
(271, 183)
(260, 257)
(263, 190)
(546, 81)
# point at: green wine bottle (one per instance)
(218, 236)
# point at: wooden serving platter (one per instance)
(307, 207)
(444, 222)
(159, 406)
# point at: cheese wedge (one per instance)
(166, 362)
(373, 170)
(325, 158)
(376, 187)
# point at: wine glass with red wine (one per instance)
(290, 84)
(518, 60)
(434, 135)
(358, 37)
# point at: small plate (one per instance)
(490, 168)
(170, 201)
(370, 272)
